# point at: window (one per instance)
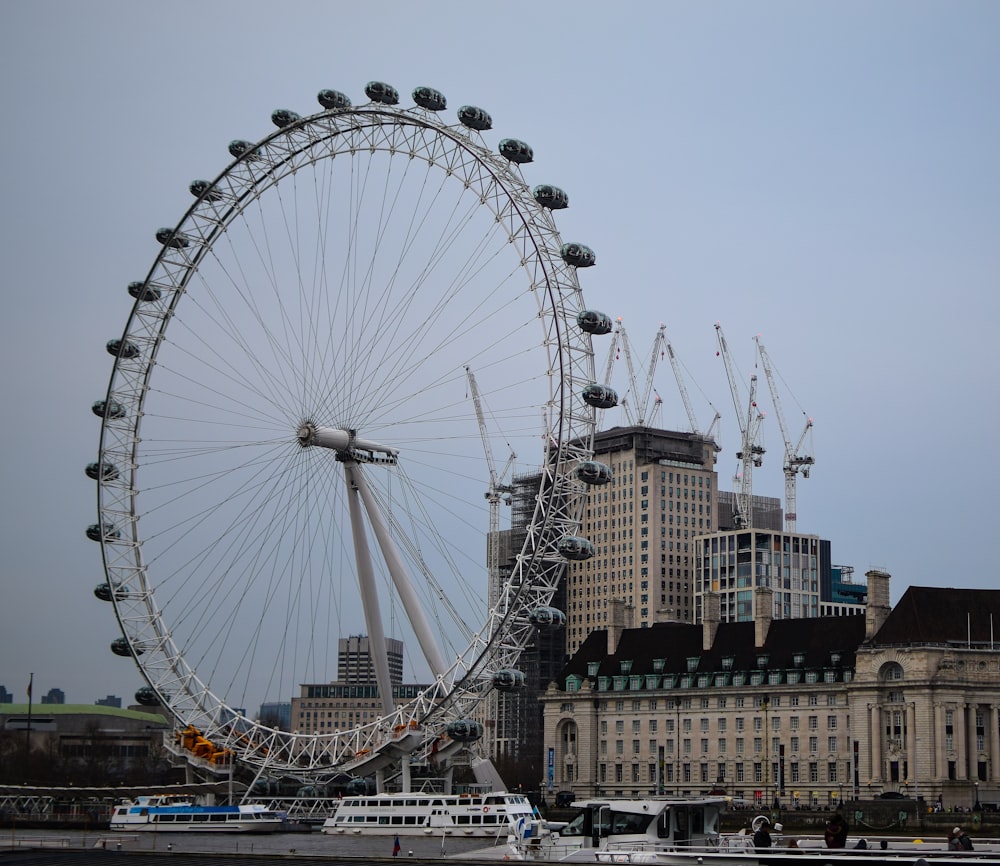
(831, 771)
(832, 744)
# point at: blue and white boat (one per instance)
(174, 813)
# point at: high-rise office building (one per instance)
(662, 495)
(733, 564)
(354, 660)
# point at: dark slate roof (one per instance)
(938, 615)
(816, 638)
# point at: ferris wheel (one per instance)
(288, 450)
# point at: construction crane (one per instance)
(751, 451)
(498, 488)
(637, 403)
(795, 460)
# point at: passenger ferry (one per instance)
(686, 832)
(485, 815)
(175, 813)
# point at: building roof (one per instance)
(943, 615)
(816, 639)
(80, 710)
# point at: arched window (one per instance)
(891, 672)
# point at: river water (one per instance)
(312, 843)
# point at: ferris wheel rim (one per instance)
(568, 427)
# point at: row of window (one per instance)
(812, 772)
(722, 723)
(794, 746)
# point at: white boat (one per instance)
(166, 813)
(686, 832)
(494, 815)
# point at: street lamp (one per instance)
(977, 807)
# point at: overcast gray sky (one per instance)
(824, 174)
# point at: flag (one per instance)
(31, 679)
(395, 846)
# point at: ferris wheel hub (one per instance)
(344, 442)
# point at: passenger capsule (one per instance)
(147, 697)
(429, 98)
(593, 472)
(204, 189)
(110, 532)
(333, 99)
(282, 117)
(239, 146)
(101, 471)
(103, 592)
(112, 409)
(508, 680)
(142, 292)
(574, 547)
(516, 151)
(171, 238)
(474, 117)
(547, 617)
(594, 322)
(465, 730)
(360, 787)
(550, 196)
(578, 255)
(120, 647)
(600, 396)
(379, 91)
(122, 348)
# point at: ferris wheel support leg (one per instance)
(369, 592)
(447, 777)
(380, 781)
(404, 586)
(404, 766)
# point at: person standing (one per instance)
(835, 834)
(959, 840)
(762, 836)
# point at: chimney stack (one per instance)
(878, 607)
(619, 619)
(763, 613)
(711, 615)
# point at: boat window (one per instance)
(663, 825)
(218, 817)
(629, 822)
